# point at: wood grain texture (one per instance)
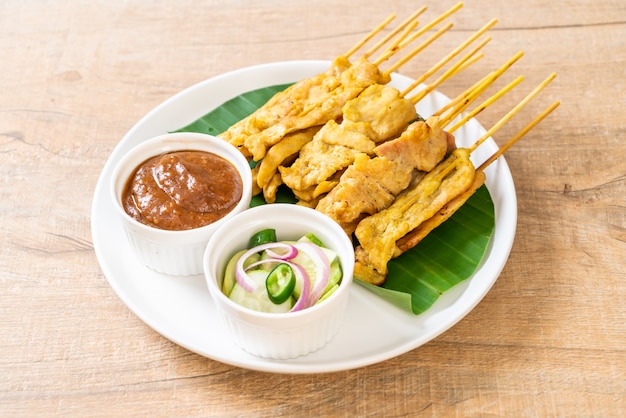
(548, 339)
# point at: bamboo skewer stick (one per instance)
(519, 135)
(370, 35)
(456, 51)
(433, 23)
(394, 47)
(486, 104)
(464, 62)
(467, 99)
(402, 36)
(447, 170)
(394, 32)
(461, 97)
(404, 42)
(416, 50)
(512, 112)
(459, 104)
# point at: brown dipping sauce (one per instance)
(182, 190)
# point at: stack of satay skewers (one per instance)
(353, 147)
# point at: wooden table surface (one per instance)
(547, 340)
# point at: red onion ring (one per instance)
(301, 274)
(240, 273)
(322, 265)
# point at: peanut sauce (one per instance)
(182, 190)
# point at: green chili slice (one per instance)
(280, 283)
(262, 237)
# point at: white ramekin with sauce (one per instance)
(163, 242)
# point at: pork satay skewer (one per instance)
(345, 202)
(325, 107)
(285, 102)
(353, 197)
(266, 172)
(377, 234)
(415, 236)
(435, 124)
(372, 252)
(370, 185)
(300, 178)
(319, 159)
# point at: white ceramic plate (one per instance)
(181, 309)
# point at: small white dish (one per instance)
(279, 335)
(178, 253)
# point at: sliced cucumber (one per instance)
(258, 300)
(311, 237)
(336, 273)
(229, 273)
(327, 293)
(309, 266)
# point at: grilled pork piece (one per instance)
(376, 115)
(317, 105)
(378, 234)
(371, 184)
(289, 102)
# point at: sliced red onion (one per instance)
(264, 261)
(269, 247)
(301, 275)
(240, 272)
(322, 265)
(241, 276)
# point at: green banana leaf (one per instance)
(444, 258)
(232, 111)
